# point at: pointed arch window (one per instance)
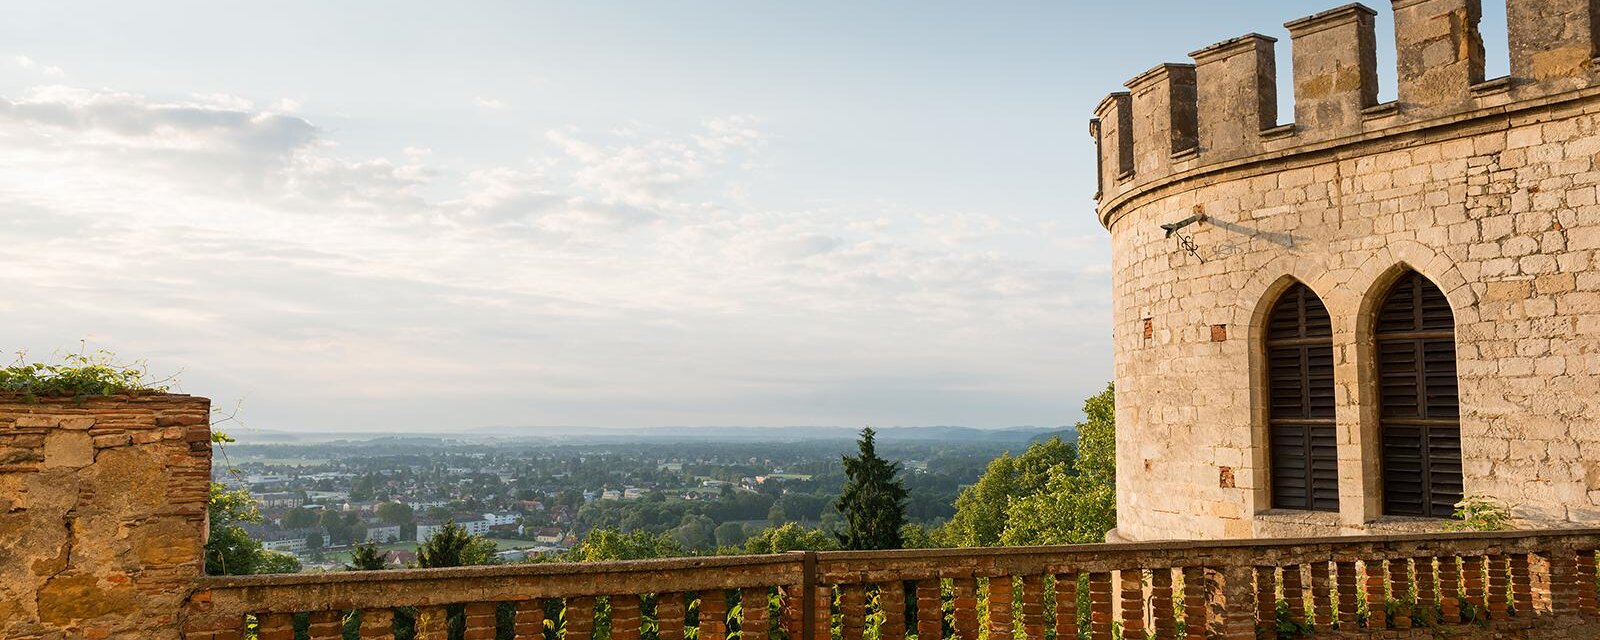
(1419, 409)
(1300, 415)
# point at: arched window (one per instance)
(1301, 435)
(1419, 412)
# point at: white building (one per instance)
(383, 533)
(474, 527)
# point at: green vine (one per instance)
(79, 375)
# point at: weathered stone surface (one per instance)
(99, 542)
(69, 449)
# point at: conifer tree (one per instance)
(873, 501)
(366, 557)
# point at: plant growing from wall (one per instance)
(79, 375)
(1480, 513)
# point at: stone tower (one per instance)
(1372, 310)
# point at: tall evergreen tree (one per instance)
(873, 501)
(366, 557)
(452, 546)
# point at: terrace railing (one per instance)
(1539, 584)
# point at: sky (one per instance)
(437, 216)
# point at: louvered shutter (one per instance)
(1419, 414)
(1304, 458)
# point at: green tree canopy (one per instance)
(229, 550)
(790, 537)
(873, 501)
(1051, 494)
(981, 508)
(611, 544)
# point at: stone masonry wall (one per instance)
(102, 514)
(1486, 188)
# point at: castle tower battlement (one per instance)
(1182, 120)
(1346, 323)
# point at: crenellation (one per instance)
(1223, 110)
(1237, 88)
(1553, 45)
(1164, 118)
(1113, 130)
(1335, 71)
(1438, 53)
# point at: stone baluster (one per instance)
(713, 615)
(1472, 583)
(1162, 616)
(791, 611)
(1426, 610)
(1197, 598)
(670, 612)
(1294, 593)
(1400, 590)
(1498, 588)
(1377, 599)
(1131, 584)
(1584, 571)
(529, 624)
(930, 610)
(754, 620)
(580, 619)
(1000, 607)
(1238, 603)
(433, 623)
(275, 626)
(377, 623)
(1033, 607)
(1266, 599)
(852, 611)
(823, 613)
(480, 621)
(1563, 581)
(1450, 590)
(624, 618)
(1321, 596)
(1521, 584)
(966, 604)
(1345, 579)
(1066, 605)
(1100, 609)
(892, 602)
(325, 625)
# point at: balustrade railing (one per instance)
(1490, 584)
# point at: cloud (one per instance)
(489, 103)
(29, 64)
(608, 278)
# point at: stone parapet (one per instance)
(102, 513)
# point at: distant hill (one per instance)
(1021, 435)
(1068, 435)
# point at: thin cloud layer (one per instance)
(620, 278)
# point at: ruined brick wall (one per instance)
(102, 514)
(1487, 188)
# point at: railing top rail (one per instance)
(837, 559)
(611, 568)
(1168, 546)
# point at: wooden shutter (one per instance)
(1419, 413)
(1301, 435)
